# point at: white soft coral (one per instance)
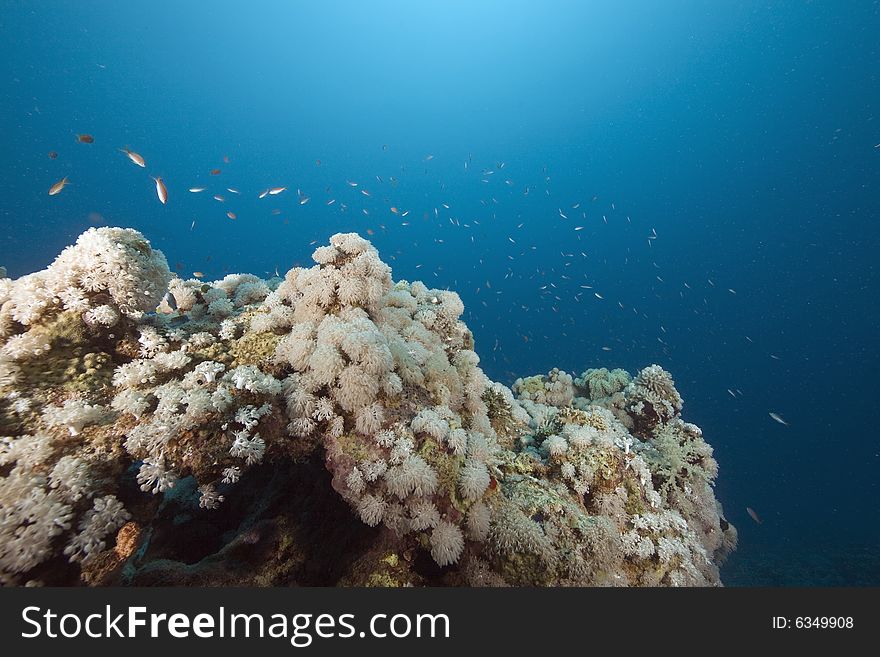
(75, 414)
(117, 261)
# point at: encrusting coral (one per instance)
(135, 404)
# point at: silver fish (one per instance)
(778, 418)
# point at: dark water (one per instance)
(744, 135)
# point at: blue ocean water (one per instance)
(605, 184)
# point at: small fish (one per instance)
(53, 155)
(57, 187)
(304, 200)
(85, 139)
(778, 418)
(161, 190)
(226, 159)
(215, 172)
(231, 215)
(198, 274)
(134, 157)
(264, 193)
(274, 191)
(170, 300)
(754, 515)
(196, 190)
(232, 190)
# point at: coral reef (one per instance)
(332, 427)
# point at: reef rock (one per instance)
(329, 428)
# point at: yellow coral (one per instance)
(253, 348)
(570, 415)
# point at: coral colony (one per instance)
(126, 392)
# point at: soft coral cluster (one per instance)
(106, 266)
(564, 480)
(384, 376)
(642, 474)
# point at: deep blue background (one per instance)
(745, 135)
